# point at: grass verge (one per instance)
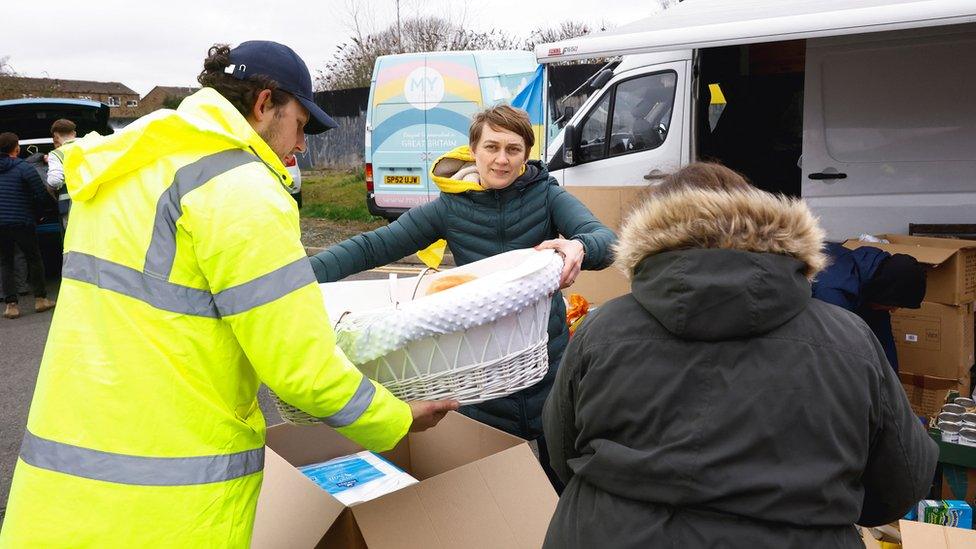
(335, 195)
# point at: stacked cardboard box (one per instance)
(611, 205)
(935, 343)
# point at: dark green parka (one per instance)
(718, 404)
(480, 224)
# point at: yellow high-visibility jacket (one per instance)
(185, 285)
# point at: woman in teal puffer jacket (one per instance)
(492, 201)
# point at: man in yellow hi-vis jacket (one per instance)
(185, 285)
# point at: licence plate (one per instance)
(401, 179)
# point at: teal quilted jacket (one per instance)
(480, 224)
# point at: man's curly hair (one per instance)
(240, 93)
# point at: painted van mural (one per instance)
(420, 107)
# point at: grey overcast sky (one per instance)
(143, 44)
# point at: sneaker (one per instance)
(12, 311)
(42, 304)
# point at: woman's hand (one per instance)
(572, 252)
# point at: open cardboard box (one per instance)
(952, 264)
(479, 487)
(919, 535)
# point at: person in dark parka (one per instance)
(872, 283)
(492, 200)
(718, 404)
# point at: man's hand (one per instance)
(572, 252)
(427, 413)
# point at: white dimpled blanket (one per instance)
(376, 317)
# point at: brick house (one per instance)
(124, 102)
(163, 97)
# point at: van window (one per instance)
(642, 113)
(593, 132)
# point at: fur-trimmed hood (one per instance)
(752, 221)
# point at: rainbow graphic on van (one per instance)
(420, 107)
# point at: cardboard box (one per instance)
(927, 394)
(610, 205)
(952, 264)
(918, 535)
(881, 536)
(935, 340)
(479, 487)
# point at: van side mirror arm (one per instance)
(570, 144)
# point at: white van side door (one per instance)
(636, 131)
(889, 130)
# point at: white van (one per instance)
(862, 107)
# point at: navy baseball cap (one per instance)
(284, 66)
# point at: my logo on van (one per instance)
(424, 88)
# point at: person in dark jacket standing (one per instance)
(718, 404)
(872, 283)
(492, 200)
(21, 189)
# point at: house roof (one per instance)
(174, 91)
(70, 86)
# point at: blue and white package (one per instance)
(358, 477)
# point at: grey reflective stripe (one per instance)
(355, 407)
(152, 285)
(138, 470)
(127, 281)
(162, 247)
(265, 288)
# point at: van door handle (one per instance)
(655, 174)
(828, 175)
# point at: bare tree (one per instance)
(563, 31)
(352, 64)
(5, 68)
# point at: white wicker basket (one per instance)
(478, 341)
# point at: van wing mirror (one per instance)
(570, 144)
(601, 79)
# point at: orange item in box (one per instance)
(576, 312)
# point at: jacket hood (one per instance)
(455, 172)
(204, 121)
(8, 162)
(720, 294)
(750, 221)
(717, 265)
